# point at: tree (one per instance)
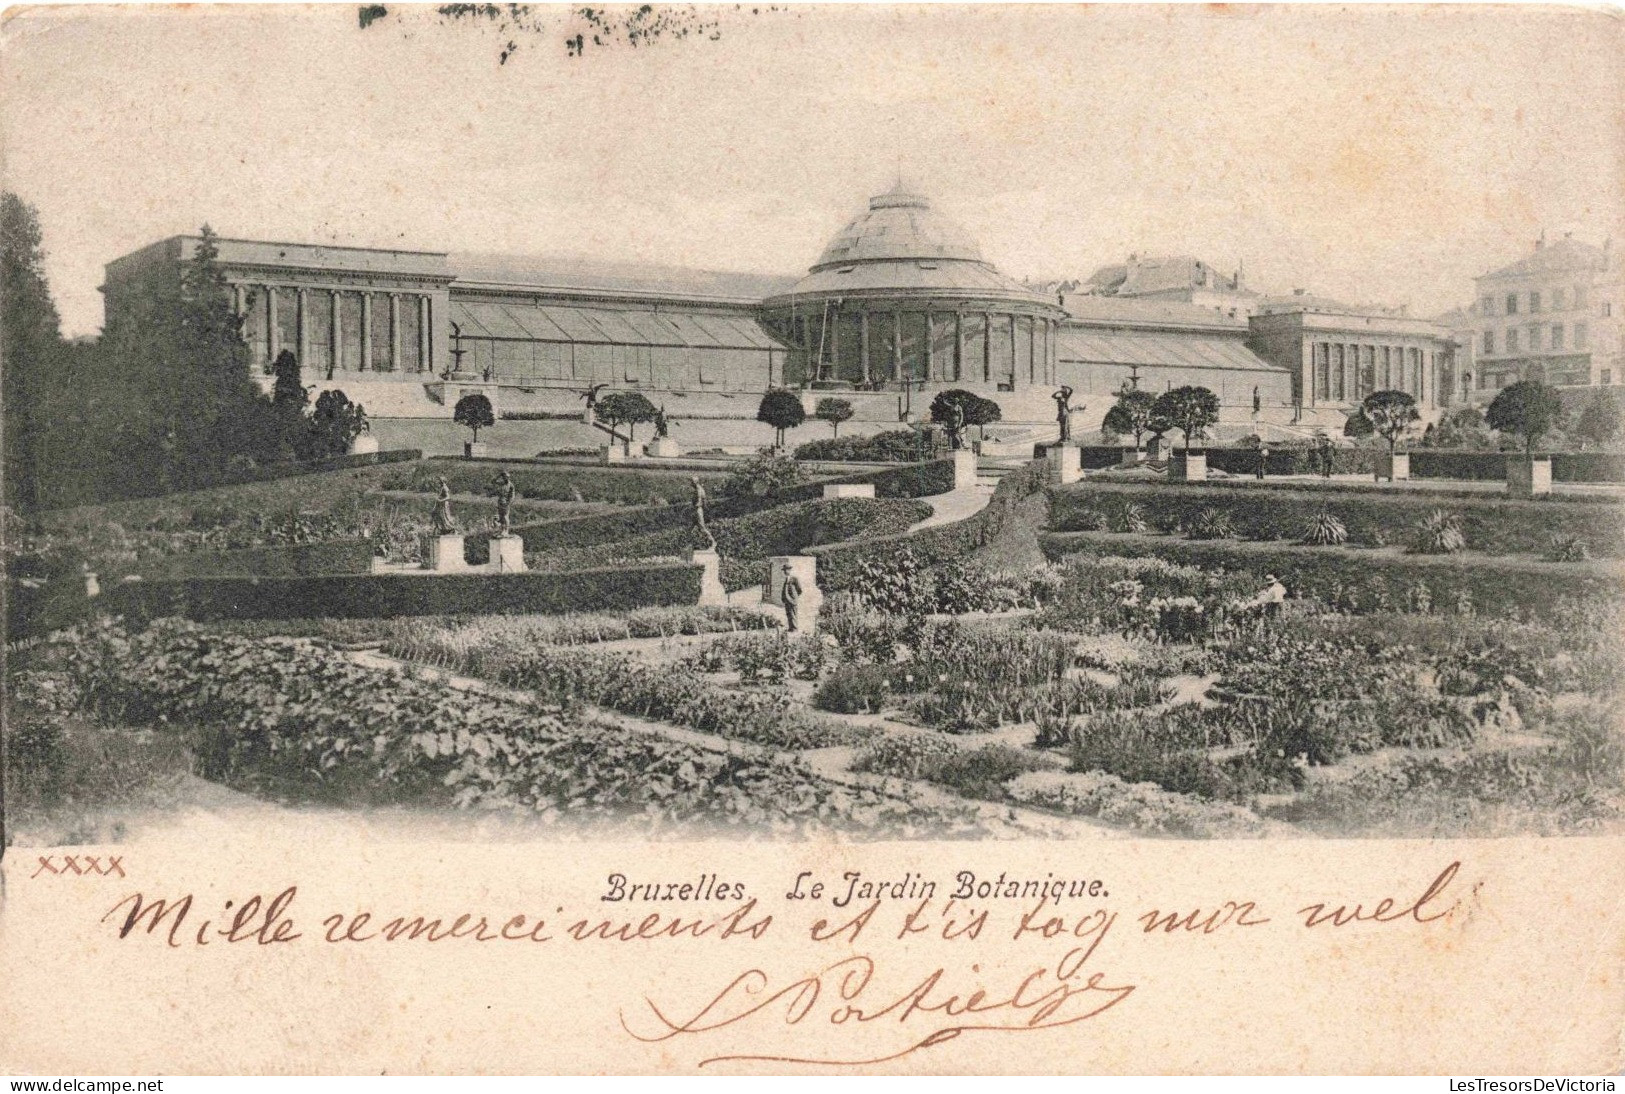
(626, 408)
(1464, 428)
(1130, 414)
(1599, 422)
(765, 474)
(978, 411)
(474, 411)
(1191, 410)
(336, 422)
(1359, 425)
(1529, 408)
(833, 411)
(30, 344)
(1390, 413)
(782, 410)
(289, 389)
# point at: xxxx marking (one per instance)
(80, 865)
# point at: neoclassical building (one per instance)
(899, 305)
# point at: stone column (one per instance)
(395, 332)
(863, 345)
(897, 346)
(302, 324)
(987, 347)
(424, 341)
(273, 341)
(337, 334)
(366, 332)
(930, 357)
(959, 346)
(239, 302)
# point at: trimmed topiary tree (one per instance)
(1131, 414)
(474, 412)
(782, 410)
(833, 411)
(1528, 408)
(978, 411)
(1391, 414)
(626, 408)
(1191, 410)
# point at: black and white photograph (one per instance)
(818, 426)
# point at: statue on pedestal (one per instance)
(662, 426)
(699, 513)
(1063, 412)
(440, 520)
(502, 490)
(956, 427)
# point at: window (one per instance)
(1512, 340)
(1323, 381)
(1534, 339)
(1534, 302)
(1557, 299)
(1487, 305)
(1489, 342)
(1607, 376)
(1607, 309)
(1582, 335)
(1483, 381)
(1579, 296)
(1512, 303)
(1557, 336)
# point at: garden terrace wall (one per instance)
(1363, 580)
(344, 556)
(1492, 524)
(1426, 463)
(381, 595)
(906, 481)
(838, 563)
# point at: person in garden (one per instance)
(1263, 457)
(502, 490)
(790, 595)
(1325, 444)
(699, 513)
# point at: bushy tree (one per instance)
(978, 411)
(473, 411)
(1463, 427)
(1528, 408)
(1599, 421)
(626, 408)
(30, 350)
(782, 410)
(764, 474)
(1131, 414)
(288, 391)
(1358, 424)
(1191, 410)
(1390, 414)
(833, 411)
(334, 423)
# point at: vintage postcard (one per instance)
(813, 539)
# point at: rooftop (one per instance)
(1564, 255)
(571, 274)
(899, 224)
(1121, 311)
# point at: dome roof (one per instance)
(899, 224)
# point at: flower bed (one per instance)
(294, 715)
(1142, 807)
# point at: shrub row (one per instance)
(376, 595)
(340, 556)
(560, 482)
(1426, 463)
(839, 565)
(445, 642)
(1364, 581)
(302, 717)
(1494, 525)
(893, 446)
(909, 481)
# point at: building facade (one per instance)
(1552, 316)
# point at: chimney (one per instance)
(1541, 242)
(1298, 292)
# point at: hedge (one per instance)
(1363, 580)
(907, 481)
(564, 482)
(1426, 463)
(1492, 524)
(838, 563)
(340, 556)
(380, 595)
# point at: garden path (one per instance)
(955, 506)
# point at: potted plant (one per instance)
(1131, 414)
(1191, 410)
(1389, 414)
(1530, 409)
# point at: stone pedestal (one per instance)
(444, 555)
(964, 469)
(363, 444)
(1188, 465)
(473, 450)
(1132, 457)
(805, 567)
(1154, 449)
(507, 554)
(1395, 467)
(1529, 477)
(663, 448)
(615, 452)
(1063, 464)
(849, 490)
(711, 589)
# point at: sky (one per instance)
(1379, 155)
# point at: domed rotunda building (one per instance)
(902, 300)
